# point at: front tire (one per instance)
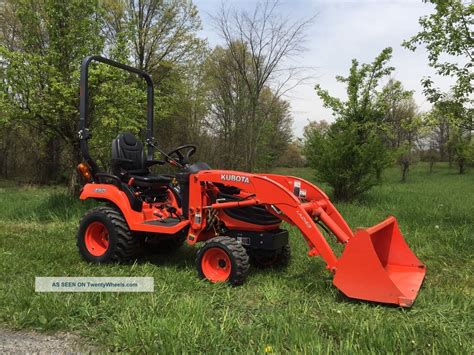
(223, 259)
(104, 236)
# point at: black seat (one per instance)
(129, 161)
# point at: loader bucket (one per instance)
(377, 265)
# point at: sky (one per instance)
(343, 30)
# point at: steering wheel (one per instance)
(182, 157)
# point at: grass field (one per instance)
(297, 310)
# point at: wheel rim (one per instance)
(96, 238)
(216, 265)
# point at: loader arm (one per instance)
(329, 214)
(376, 264)
(274, 191)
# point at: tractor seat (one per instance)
(129, 161)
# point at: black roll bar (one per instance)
(83, 133)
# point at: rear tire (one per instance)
(104, 236)
(223, 259)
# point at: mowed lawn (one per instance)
(295, 310)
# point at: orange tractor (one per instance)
(235, 216)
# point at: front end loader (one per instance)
(236, 217)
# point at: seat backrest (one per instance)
(128, 154)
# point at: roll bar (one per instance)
(83, 133)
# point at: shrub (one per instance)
(347, 156)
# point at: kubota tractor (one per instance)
(235, 216)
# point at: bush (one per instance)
(350, 158)
(349, 154)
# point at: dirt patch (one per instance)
(23, 341)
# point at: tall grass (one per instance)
(297, 310)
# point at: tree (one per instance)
(401, 123)
(183, 105)
(447, 35)
(228, 117)
(256, 45)
(432, 156)
(342, 160)
(161, 37)
(463, 150)
(350, 155)
(42, 44)
(447, 133)
(276, 132)
(157, 30)
(440, 130)
(292, 157)
(40, 54)
(459, 142)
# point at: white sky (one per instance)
(341, 31)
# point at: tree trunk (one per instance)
(74, 185)
(4, 161)
(48, 165)
(461, 167)
(378, 174)
(405, 167)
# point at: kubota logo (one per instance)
(235, 178)
(303, 218)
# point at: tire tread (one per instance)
(127, 243)
(239, 254)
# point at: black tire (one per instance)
(235, 251)
(122, 244)
(271, 258)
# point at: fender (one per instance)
(135, 220)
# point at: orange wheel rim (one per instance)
(96, 238)
(216, 265)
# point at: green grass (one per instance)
(297, 310)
